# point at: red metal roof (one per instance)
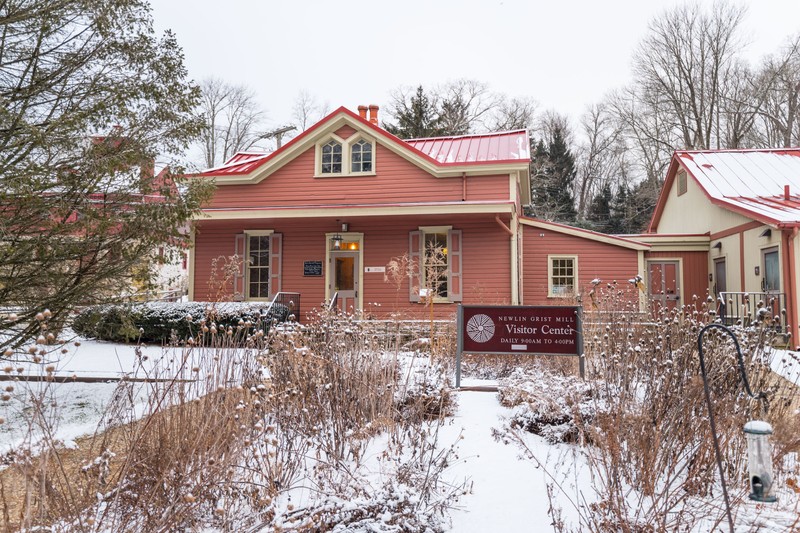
(240, 163)
(487, 148)
(478, 148)
(751, 182)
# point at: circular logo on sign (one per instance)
(480, 328)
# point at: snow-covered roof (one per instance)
(484, 147)
(761, 184)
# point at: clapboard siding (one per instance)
(486, 259)
(396, 181)
(596, 260)
(695, 274)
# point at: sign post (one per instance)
(529, 330)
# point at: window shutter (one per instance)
(275, 263)
(239, 250)
(414, 255)
(455, 284)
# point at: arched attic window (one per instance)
(331, 157)
(361, 156)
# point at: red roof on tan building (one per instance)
(761, 184)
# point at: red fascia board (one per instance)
(664, 194)
(670, 179)
(377, 130)
(557, 226)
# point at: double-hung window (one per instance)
(562, 275)
(258, 273)
(435, 252)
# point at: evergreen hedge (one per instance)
(156, 322)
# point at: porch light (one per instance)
(766, 233)
(759, 460)
(337, 241)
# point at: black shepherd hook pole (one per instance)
(743, 373)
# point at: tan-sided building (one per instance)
(726, 225)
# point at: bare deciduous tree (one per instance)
(513, 114)
(233, 120)
(780, 112)
(307, 110)
(685, 61)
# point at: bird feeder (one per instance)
(759, 460)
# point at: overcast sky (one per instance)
(566, 54)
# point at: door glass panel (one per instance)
(771, 271)
(720, 276)
(343, 269)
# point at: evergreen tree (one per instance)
(552, 178)
(418, 117)
(599, 214)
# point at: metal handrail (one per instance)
(735, 306)
(334, 301)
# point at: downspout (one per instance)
(463, 186)
(512, 243)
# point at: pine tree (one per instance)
(599, 214)
(552, 178)
(416, 118)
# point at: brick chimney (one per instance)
(362, 111)
(373, 114)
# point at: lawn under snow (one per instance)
(506, 492)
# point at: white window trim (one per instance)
(346, 155)
(255, 233)
(434, 229)
(550, 259)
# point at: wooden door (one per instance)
(665, 290)
(344, 280)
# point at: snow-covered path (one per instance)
(509, 494)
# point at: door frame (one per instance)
(347, 237)
(763, 252)
(679, 262)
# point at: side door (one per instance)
(664, 283)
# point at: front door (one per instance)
(771, 282)
(344, 280)
(665, 290)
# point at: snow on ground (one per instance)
(508, 493)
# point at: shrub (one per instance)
(164, 321)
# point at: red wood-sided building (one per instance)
(329, 212)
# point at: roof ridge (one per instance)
(488, 134)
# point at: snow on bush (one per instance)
(164, 321)
(547, 404)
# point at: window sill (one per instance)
(347, 175)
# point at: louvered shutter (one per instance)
(239, 250)
(414, 254)
(455, 284)
(275, 263)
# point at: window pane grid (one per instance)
(562, 276)
(436, 263)
(332, 158)
(258, 266)
(361, 157)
